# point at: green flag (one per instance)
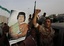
(5, 9)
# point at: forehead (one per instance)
(21, 15)
(47, 20)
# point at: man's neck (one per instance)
(47, 27)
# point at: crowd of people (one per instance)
(38, 31)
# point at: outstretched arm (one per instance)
(35, 16)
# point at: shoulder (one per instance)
(24, 25)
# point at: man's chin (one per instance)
(48, 26)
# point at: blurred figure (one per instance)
(44, 14)
(55, 18)
(46, 31)
(42, 18)
(29, 19)
(5, 28)
(1, 32)
(3, 38)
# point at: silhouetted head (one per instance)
(44, 14)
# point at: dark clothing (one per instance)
(41, 20)
(30, 41)
(6, 29)
(4, 41)
(35, 34)
(1, 33)
(55, 20)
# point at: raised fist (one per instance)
(37, 11)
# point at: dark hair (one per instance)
(5, 23)
(30, 15)
(47, 18)
(21, 13)
(44, 14)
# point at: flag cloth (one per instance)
(5, 9)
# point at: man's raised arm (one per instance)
(35, 17)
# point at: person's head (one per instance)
(54, 16)
(5, 24)
(44, 14)
(47, 22)
(21, 17)
(30, 16)
(29, 19)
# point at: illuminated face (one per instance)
(48, 23)
(21, 18)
